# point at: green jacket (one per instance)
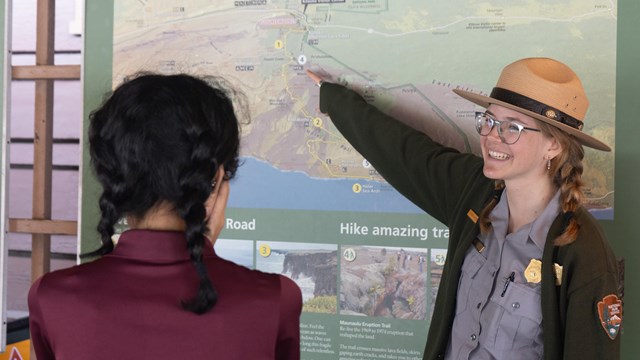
(448, 184)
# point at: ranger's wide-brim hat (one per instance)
(546, 90)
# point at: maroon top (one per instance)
(126, 305)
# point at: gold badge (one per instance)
(533, 272)
(558, 270)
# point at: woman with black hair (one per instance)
(163, 148)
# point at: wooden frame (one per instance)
(43, 73)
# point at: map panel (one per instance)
(304, 203)
(406, 57)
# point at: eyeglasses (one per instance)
(508, 131)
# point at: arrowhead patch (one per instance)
(610, 312)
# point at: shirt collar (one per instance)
(499, 217)
(540, 226)
(158, 246)
(537, 230)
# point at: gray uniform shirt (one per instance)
(498, 311)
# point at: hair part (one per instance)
(161, 138)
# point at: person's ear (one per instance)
(554, 149)
(216, 205)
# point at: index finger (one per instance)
(314, 76)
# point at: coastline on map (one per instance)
(257, 180)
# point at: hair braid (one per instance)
(108, 219)
(483, 219)
(567, 169)
(195, 186)
(114, 190)
(195, 189)
(206, 296)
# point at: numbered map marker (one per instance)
(349, 254)
(439, 259)
(265, 250)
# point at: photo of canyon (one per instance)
(388, 282)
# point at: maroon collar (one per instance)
(157, 246)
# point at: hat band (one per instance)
(535, 106)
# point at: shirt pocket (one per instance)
(473, 261)
(517, 321)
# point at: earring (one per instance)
(213, 183)
(548, 164)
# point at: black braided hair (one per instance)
(161, 138)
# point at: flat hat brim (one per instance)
(582, 138)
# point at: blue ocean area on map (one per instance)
(260, 185)
(602, 214)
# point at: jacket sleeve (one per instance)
(39, 338)
(288, 343)
(591, 311)
(432, 176)
(586, 336)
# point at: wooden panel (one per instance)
(43, 138)
(41, 72)
(56, 227)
